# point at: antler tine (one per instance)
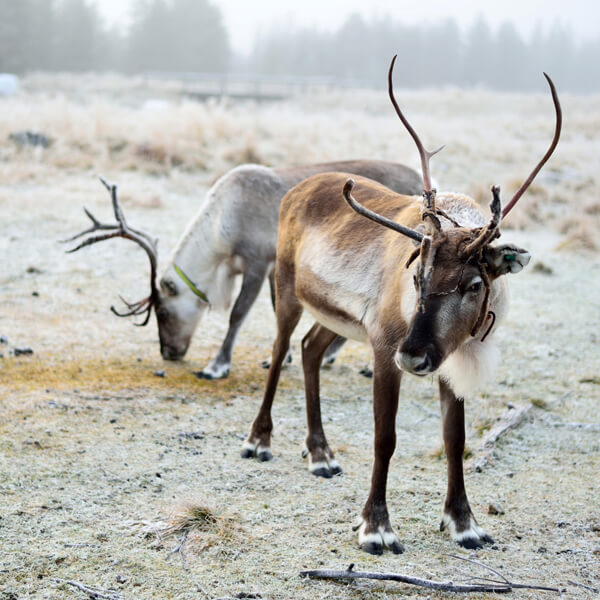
(546, 156)
(365, 212)
(492, 230)
(96, 226)
(423, 153)
(136, 308)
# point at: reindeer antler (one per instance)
(121, 229)
(428, 192)
(491, 231)
(546, 156)
(365, 212)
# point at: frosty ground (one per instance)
(97, 451)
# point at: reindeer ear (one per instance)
(505, 259)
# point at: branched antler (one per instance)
(122, 229)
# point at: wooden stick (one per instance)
(448, 586)
(497, 587)
(511, 419)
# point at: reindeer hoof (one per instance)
(374, 542)
(326, 467)
(373, 548)
(247, 453)
(472, 537)
(474, 542)
(367, 372)
(251, 450)
(264, 455)
(322, 472)
(213, 372)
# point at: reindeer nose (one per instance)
(419, 364)
(170, 353)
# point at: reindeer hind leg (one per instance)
(321, 461)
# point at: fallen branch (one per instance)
(511, 419)
(501, 586)
(95, 593)
(179, 550)
(580, 426)
(585, 587)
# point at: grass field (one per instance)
(101, 459)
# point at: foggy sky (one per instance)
(245, 19)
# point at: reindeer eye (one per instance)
(415, 281)
(169, 286)
(475, 287)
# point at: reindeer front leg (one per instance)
(457, 515)
(375, 531)
(258, 442)
(252, 281)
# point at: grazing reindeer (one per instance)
(433, 307)
(233, 233)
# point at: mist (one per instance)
(191, 37)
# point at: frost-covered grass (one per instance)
(100, 459)
(113, 124)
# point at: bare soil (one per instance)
(96, 451)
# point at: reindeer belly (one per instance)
(346, 327)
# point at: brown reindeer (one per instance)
(427, 300)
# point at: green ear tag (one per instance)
(509, 257)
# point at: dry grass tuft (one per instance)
(202, 526)
(580, 238)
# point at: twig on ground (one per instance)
(499, 587)
(580, 426)
(179, 549)
(585, 587)
(506, 581)
(511, 419)
(95, 593)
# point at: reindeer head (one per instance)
(456, 265)
(177, 302)
(180, 307)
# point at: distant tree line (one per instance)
(430, 55)
(69, 35)
(190, 35)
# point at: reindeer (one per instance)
(233, 233)
(428, 300)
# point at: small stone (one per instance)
(3, 339)
(121, 579)
(35, 294)
(495, 508)
(542, 268)
(159, 373)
